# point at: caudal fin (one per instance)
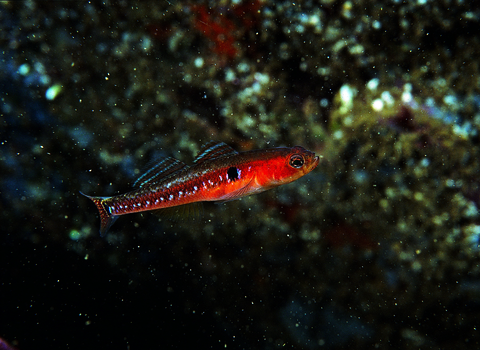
(106, 219)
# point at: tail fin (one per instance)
(106, 218)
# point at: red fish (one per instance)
(218, 173)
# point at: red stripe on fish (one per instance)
(218, 173)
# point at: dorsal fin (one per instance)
(213, 149)
(159, 170)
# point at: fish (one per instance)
(218, 173)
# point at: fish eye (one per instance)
(296, 161)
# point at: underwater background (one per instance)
(378, 247)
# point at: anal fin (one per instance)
(191, 211)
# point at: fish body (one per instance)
(218, 173)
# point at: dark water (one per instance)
(378, 247)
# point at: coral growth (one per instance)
(226, 28)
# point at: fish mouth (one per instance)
(314, 164)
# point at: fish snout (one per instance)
(315, 162)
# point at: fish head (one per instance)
(299, 162)
(287, 165)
